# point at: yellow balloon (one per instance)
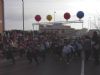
(49, 17)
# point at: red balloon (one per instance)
(38, 18)
(67, 15)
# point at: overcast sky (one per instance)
(13, 11)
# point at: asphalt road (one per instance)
(49, 67)
(91, 68)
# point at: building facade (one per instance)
(58, 29)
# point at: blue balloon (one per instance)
(80, 14)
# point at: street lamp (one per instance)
(23, 12)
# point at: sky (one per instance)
(14, 20)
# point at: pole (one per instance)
(54, 16)
(90, 23)
(82, 24)
(23, 12)
(3, 15)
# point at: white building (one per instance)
(59, 29)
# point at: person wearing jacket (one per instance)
(95, 47)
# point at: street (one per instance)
(49, 67)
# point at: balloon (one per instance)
(80, 14)
(67, 15)
(49, 17)
(38, 18)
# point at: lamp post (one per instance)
(23, 12)
(90, 22)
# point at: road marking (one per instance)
(82, 66)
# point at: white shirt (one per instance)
(67, 49)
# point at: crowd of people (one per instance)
(22, 44)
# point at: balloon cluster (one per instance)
(80, 15)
